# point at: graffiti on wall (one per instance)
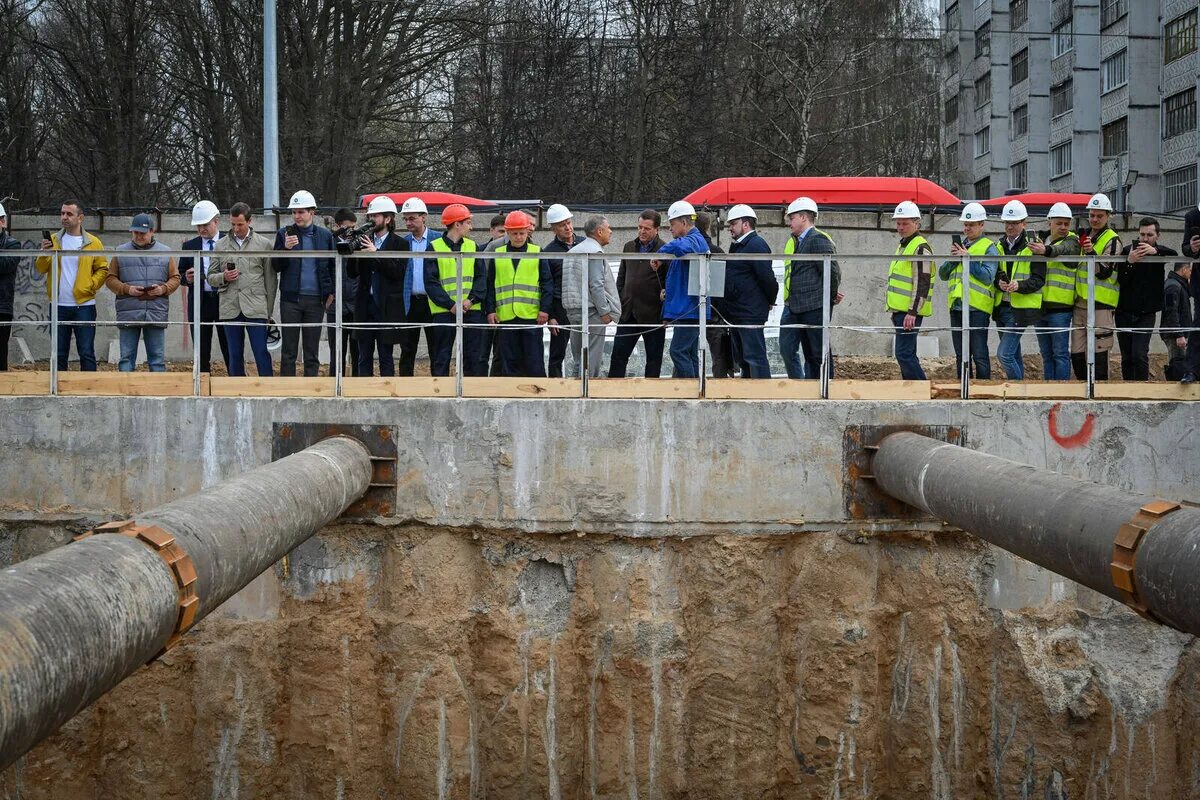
(1070, 441)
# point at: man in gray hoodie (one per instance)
(603, 300)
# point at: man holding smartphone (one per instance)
(206, 218)
(306, 284)
(80, 276)
(142, 279)
(246, 287)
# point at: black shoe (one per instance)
(1190, 378)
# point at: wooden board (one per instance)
(24, 382)
(1013, 391)
(1147, 391)
(131, 384)
(764, 389)
(521, 387)
(644, 388)
(397, 387)
(277, 386)
(880, 390)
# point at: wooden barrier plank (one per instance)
(24, 382)
(1147, 391)
(762, 389)
(1013, 391)
(522, 387)
(397, 387)
(279, 386)
(130, 384)
(880, 390)
(644, 388)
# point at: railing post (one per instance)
(458, 325)
(826, 310)
(702, 320)
(1091, 328)
(336, 348)
(55, 267)
(585, 351)
(965, 305)
(196, 289)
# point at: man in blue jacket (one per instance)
(750, 291)
(679, 307)
(306, 285)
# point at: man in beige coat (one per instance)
(246, 284)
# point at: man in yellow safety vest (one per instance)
(1100, 240)
(442, 289)
(909, 288)
(520, 296)
(981, 275)
(1018, 290)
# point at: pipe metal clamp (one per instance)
(177, 561)
(1125, 546)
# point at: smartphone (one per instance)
(46, 235)
(957, 239)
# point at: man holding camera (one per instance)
(381, 302)
(344, 221)
(246, 287)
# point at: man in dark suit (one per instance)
(207, 219)
(802, 280)
(641, 291)
(306, 287)
(750, 291)
(1191, 249)
(379, 299)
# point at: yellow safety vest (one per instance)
(1107, 290)
(790, 248)
(448, 272)
(981, 293)
(1060, 280)
(1018, 271)
(518, 286)
(902, 281)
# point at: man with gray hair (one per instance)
(603, 301)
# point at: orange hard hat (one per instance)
(455, 212)
(516, 221)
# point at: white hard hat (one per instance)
(558, 213)
(204, 212)
(907, 210)
(382, 205)
(973, 212)
(1014, 211)
(801, 204)
(1100, 202)
(413, 205)
(3, 213)
(302, 199)
(1060, 211)
(681, 208)
(741, 211)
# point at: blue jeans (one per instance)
(235, 338)
(156, 345)
(684, 356)
(368, 342)
(751, 344)
(806, 340)
(980, 359)
(1009, 351)
(906, 348)
(85, 336)
(1055, 345)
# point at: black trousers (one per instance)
(654, 338)
(441, 351)
(521, 350)
(410, 337)
(210, 311)
(349, 344)
(1079, 366)
(1135, 347)
(5, 333)
(558, 345)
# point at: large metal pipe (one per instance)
(1069, 526)
(76, 621)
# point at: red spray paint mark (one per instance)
(1077, 439)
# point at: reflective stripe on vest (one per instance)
(981, 293)
(1060, 280)
(1017, 271)
(902, 283)
(518, 289)
(789, 249)
(448, 272)
(1107, 290)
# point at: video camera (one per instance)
(349, 240)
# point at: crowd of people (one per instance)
(508, 297)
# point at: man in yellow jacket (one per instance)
(79, 277)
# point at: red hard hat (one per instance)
(516, 221)
(455, 212)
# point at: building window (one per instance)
(983, 189)
(983, 141)
(1180, 188)
(1060, 159)
(1115, 138)
(1111, 11)
(1061, 39)
(1179, 113)
(1018, 175)
(1060, 99)
(1020, 66)
(1113, 74)
(1179, 37)
(952, 62)
(983, 40)
(1018, 13)
(952, 19)
(1020, 121)
(983, 91)
(951, 156)
(951, 110)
